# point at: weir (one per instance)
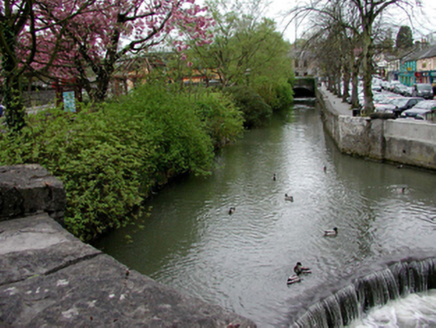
(349, 303)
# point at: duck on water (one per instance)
(298, 269)
(332, 232)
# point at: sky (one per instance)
(423, 20)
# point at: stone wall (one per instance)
(401, 141)
(30, 189)
(49, 278)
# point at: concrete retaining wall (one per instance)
(409, 142)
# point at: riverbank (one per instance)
(48, 277)
(401, 141)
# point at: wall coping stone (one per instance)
(49, 278)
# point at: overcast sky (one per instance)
(423, 22)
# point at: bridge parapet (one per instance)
(304, 87)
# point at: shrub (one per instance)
(224, 122)
(256, 111)
(277, 94)
(109, 160)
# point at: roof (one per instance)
(421, 54)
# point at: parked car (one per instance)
(424, 90)
(408, 91)
(404, 103)
(384, 108)
(384, 85)
(392, 85)
(399, 88)
(379, 98)
(376, 87)
(421, 110)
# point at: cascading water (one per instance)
(349, 303)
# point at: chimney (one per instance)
(424, 43)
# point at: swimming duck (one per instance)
(293, 279)
(333, 232)
(299, 269)
(232, 210)
(290, 198)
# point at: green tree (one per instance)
(404, 38)
(247, 49)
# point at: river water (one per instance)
(241, 261)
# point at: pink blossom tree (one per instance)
(84, 40)
(20, 28)
(95, 40)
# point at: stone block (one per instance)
(30, 189)
(49, 278)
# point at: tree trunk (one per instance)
(367, 68)
(347, 77)
(355, 65)
(15, 112)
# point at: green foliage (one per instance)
(256, 110)
(277, 94)
(223, 120)
(247, 50)
(404, 38)
(109, 160)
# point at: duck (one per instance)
(299, 269)
(293, 279)
(290, 198)
(333, 232)
(232, 210)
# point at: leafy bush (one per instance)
(256, 111)
(224, 122)
(277, 94)
(109, 160)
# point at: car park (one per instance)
(416, 113)
(403, 103)
(408, 91)
(376, 87)
(399, 88)
(392, 85)
(384, 85)
(379, 98)
(423, 110)
(424, 90)
(384, 108)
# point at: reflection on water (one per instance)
(241, 261)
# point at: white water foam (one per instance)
(415, 310)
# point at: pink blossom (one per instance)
(95, 33)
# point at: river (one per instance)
(241, 261)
